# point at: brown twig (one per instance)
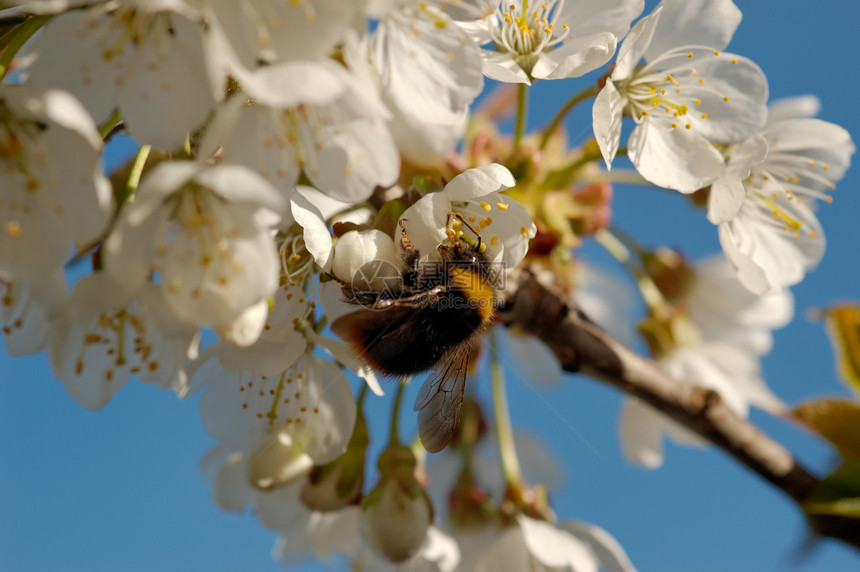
(534, 306)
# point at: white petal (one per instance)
(554, 547)
(231, 490)
(592, 16)
(425, 222)
(479, 181)
(357, 248)
(694, 22)
(165, 91)
(607, 113)
(314, 230)
(609, 553)
(641, 434)
(501, 67)
(246, 328)
(793, 108)
(676, 159)
(276, 85)
(576, 57)
(635, 44)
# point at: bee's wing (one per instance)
(441, 399)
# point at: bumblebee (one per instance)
(429, 323)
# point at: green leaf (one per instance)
(843, 327)
(837, 420)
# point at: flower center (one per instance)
(670, 90)
(525, 34)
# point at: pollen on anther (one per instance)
(644, 112)
(674, 125)
(688, 126)
(689, 54)
(244, 406)
(698, 102)
(502, 206)
(524, 232)
(486, 206)
(701, 80)
(716, 52)
(828, 200)
(735, 60)
(726, 98)
(704, 116)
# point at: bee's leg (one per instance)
(475, 232)
(410, 253)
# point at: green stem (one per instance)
(620, 247)
(522, 110)
(362, 393)
(106, 128)
(135, 174)
(565, 173)
(394, 438)
(504, 431)
(21, 34)
(565, 109)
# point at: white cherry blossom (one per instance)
(776, 237)
(538, 545)
(251, 33)
(104, 337)
(555, 39)
(306, 117)
(278, 426)
(26, 311)
(203, 233)
(52, 191)
(687, 96)
(145, 58)
(429, 73)
(732, 329)
(503, 224)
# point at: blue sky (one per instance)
(120, 489)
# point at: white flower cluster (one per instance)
(284, 146)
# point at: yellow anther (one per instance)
(726, 98)
(701, 80)
(716, 52)
(486, 206)
(674, 125)
(689, 54)
(688, 126)
(704, 116)
(524, 232)
(734, 61)
(698, 102)
(644, 112)
(828, 199)
(13, 229)
(502, 206)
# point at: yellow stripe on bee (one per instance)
(479, 293)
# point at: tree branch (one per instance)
(532, 304)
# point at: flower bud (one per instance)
(338, 484)
(396, 515)
(356, 250)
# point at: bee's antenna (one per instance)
(475, 232)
